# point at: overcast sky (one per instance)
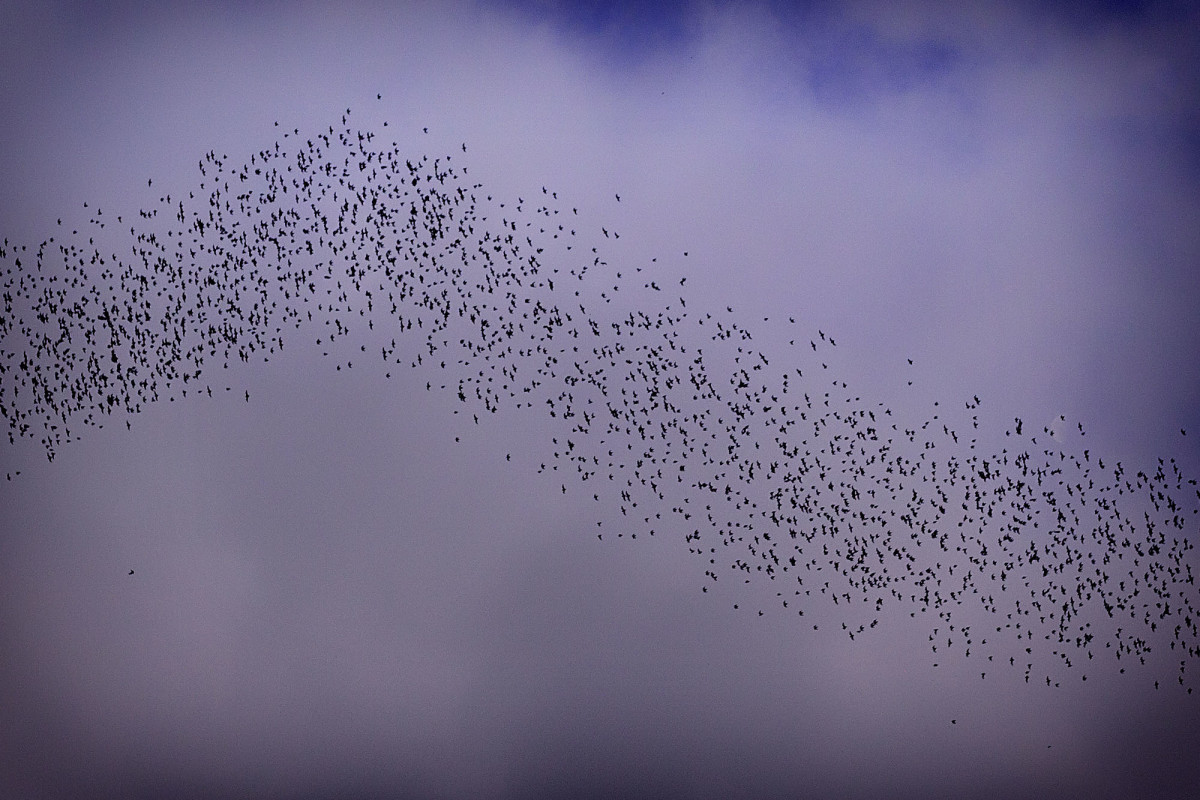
(334, 597)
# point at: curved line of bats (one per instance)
(771, 470)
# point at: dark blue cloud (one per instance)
(835, 59)
(1091, 13)
(856, 63)
(622, 34)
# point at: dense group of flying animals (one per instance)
(767, 469)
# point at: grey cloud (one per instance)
(331, 596)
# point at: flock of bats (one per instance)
(760, 459)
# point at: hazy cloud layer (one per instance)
(333, 597)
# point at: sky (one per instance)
(343, 586)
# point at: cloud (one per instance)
(332, 596)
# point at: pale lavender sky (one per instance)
(334, 598)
